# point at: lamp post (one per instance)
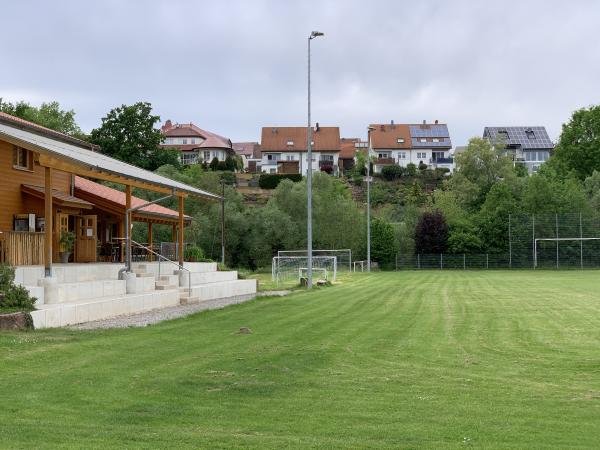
(369, 129)
(313, 35)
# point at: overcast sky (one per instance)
(234, 66)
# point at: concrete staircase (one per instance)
(87, 292)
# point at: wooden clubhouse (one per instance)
(46, 189)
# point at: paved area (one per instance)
(158, 315)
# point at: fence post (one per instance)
(418, 261)
(556, 220)
(464, 262)
(487, 260)
(533, 241)
(509, 244)
(441, 261)
(580, 241)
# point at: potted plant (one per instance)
(193, 254)
(67, 242)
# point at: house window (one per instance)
(273, 157)
(290, 142)
(423, 140)
(400, 140)
(22, 158)
(184, 141)
(327, 158)
(421, 155)
(206, 155)
(530, 134)
(401, 155)
(193, 140)
(436, 139)
(289, 157)
(382, 155)
(189, 158)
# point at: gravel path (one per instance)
(158, 315)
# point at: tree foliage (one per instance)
(49, 115)
(129, 133)
(431, 235)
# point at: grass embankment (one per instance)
(389, 360)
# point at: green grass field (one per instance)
(390, 360)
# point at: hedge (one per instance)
(272, 180)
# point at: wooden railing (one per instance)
(21, 248)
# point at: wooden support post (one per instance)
(122, 242)
(150, 241)
(48, 226)
(181, 231)
(127, 206)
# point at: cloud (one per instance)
(235, 66)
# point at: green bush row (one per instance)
(272, 180)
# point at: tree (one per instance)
(214, 164)
(431, 235)
(478, 168)
(230, 163)
(384, 246)
(128, 133)
(48, 115)
(493, 217)
(578, 148)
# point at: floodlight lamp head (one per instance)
(315, 34)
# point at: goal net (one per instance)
(541, 244)
(343, 256)
(292, 268)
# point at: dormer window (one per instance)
(530, 134)
(290, 143)
(184, 141)
(400, 140)
(436, 139)
(423, 140)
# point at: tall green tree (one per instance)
(479, 167)
(129, 133)
(49, 115)
(431, 235)
(578, 148)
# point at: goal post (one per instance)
(343, 256)
(557, 240)
(288, 268)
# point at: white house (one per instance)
(284, 150)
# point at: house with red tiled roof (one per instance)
(250, 154)
(195, 144)
(403, 144)
(348, 149)
(284, 149)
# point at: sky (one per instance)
(232, 67)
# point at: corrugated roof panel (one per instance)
(98, 161)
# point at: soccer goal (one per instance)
(581, 240)
(343, 256)
(292, 268)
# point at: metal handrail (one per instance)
(166, 259)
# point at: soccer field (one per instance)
(430, 359)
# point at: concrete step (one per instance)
(171, 279)
(188, 300)
(83, 290)
(199, 278)
(224, 289)
(144, 275)
(164, 286)
(70, 313)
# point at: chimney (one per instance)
(392, 123)
(168, 125)
(274, 130)
(436, 121)
(317, 128)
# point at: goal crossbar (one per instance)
(581, 239)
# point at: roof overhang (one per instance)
(83, 161)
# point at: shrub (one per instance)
(214, 164)
(422, 166)
(11, 295)
(222, 165)
(17, 297)
(411, 169)
(272, 180)
(228, 178)
(392, 172)
(431, 235)
(230, 164)
(193, 254)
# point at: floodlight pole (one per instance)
(223, 223)
(309, 282)
(369, 129)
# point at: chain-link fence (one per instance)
(559, 241)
